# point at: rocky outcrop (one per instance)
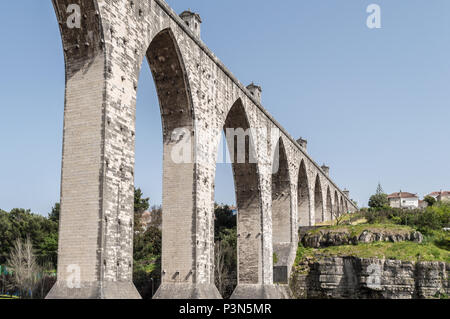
(342, 236)
(352, 277)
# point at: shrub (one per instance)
(430, 200)
(425, 220)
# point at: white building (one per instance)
(403, 200)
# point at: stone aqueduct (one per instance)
(103, 57)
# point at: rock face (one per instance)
(352, 277)
(337, 237)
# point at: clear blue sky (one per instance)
(373, 104)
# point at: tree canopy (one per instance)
(379, 199)
(430, 200)
(22, 223)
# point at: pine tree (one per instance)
(380, 199)
(379, 189)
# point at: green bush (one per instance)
(425, 220)
(396, 219)
(147, 278)
(147, 262)
(430, 200)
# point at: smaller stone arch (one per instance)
(282, 237)
(281, 197)
(318, 201)
(248, 195)
(329, 206)
(303, 196)
(337, 208)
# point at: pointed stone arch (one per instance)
(281, 198)
(169, 74)
(281, 215)
(303, 196)
(318, 201)
(180, 261)
(248, 195)
(337, 208)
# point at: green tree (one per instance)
(226, 261)
(380, 199)
(147, 249)
(29, 245)
(147, 261)
(21, 224)
(430, 200)
(54, 214)
(6, 236)
(225, 234)
(379, 189)
(224, 219)
(148, 244)
(48, 249)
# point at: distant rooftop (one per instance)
(436, 194)
(402, 195)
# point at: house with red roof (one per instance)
(403, 200)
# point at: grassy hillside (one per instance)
(430, 222)
(405, 251)
(356, 230)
